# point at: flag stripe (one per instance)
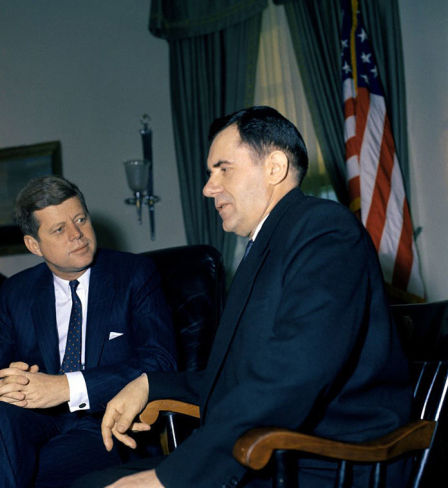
(374, 179)
(403, 263)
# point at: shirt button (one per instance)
(83, 405)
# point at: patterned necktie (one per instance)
(72, 356)
(248, 247)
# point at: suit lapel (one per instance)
(43, 312)
(235, 304)
(101, 296)
(240, 292)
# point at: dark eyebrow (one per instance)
(220, 163)
(217, 165)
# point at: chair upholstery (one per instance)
(193, 280)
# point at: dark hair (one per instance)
(40, 193)
(264, 129)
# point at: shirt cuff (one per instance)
(79, 398)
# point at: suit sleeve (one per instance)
(6, 333)
(184, 386)
(147, 342)
(287, 363)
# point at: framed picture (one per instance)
(17, 166)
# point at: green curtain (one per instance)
(382, 20)
(213, 56)
(315, 31)
(314, 26)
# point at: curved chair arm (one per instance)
(151, 412)
(254, 449)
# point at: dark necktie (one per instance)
(72, 356)
(248, 247)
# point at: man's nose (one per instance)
(211, 188)
(75, 232)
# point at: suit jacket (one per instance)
(124, 297)
(305, 342)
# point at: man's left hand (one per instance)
(12, 384)
(145, 479)
(41, 390)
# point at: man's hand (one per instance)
(12, 384)
(145, 479)
(122, 410)
(26, 387)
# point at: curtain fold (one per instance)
(211, 74)
(382, 19)
(179, 19)
(315, 26)
(315, 30)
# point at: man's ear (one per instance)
(277, 167)
(32, 245)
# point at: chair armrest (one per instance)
(151, 412)
(254, 449)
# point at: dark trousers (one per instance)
(43, 450)
(310, 475)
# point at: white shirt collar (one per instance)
(61, 285)
(258, 228)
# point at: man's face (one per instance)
(237, 183)
(66, 241)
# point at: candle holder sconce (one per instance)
(139, 176)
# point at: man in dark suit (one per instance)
(305, 341)
(73, 331)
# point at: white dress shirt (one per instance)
(258, 228)
(79, 398)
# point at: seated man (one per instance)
(73, 331)
(305, 341)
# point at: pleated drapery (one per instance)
(213, 56)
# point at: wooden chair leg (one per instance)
(343, 478)
(285, 475)
(418, 471)
(171, 431)
(378, 476)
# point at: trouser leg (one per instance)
(22, 433)
(70, 455)
(99, 479)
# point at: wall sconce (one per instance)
(139, 176)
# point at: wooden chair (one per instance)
(282, 447)
(424, 334)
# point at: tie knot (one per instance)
(73, 285)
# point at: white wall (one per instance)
(425, 45)
(83, 72)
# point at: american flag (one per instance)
(375, 182)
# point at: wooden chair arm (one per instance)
(151, 412)
(254, 449)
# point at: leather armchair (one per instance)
(193, 280)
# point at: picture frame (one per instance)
(17, 166)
